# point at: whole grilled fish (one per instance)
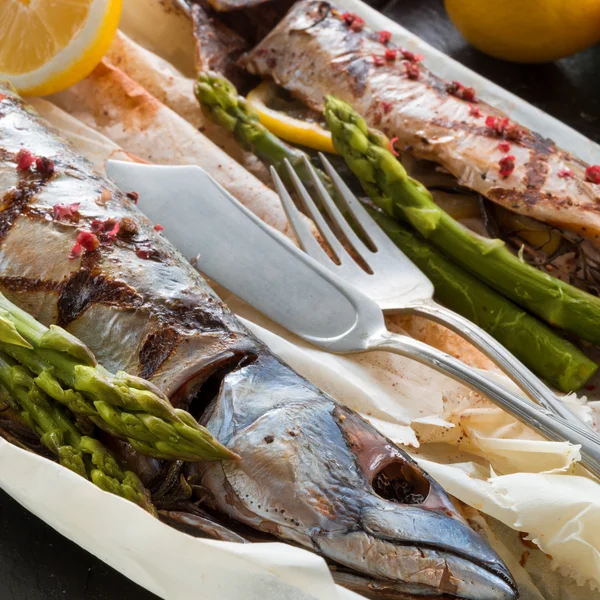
(312, 471)
(317, 50)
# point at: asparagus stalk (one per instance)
(123, 405)
(547, 354)
(222, 104)
(79, 453)
(385, 180)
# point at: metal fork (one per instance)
(394, 282)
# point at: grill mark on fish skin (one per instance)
(26, 284)
(157, 348)
(16, 201)
(358, 69)
(357, 66)
(534, 180)
(219, 47)
(194, 318)
(530, 140)
(506, 196)
(535, 176)
(85, 287)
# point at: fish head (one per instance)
(316, 473)
(407, 528)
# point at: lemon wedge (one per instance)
(285, 127)
(48, 45)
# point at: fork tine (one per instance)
(336, 215)
(363, 218)
(305, 236)
(328, 235)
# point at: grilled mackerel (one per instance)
(318, 50)
(312, 471)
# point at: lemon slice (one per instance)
(48, 45)
(288, 128)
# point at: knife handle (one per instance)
(508, 363)
(550, 426)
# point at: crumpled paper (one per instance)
(482, 456)
(171, 564)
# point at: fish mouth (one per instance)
(421, 568)
(380, 589)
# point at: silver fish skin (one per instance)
(307, 463)
(313, 53)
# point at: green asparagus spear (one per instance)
(222, 104)
(81, 454)
(123, 405)
(389, 186)
(553, 358)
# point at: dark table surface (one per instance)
(37, 563)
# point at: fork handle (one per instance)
(551, 426)
(530, 383)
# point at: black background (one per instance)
(37, 563)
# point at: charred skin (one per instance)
(217, 47)
(313, 52)
(245, 21)
(308, 464)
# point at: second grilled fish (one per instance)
(317, 50)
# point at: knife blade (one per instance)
(267, 271)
